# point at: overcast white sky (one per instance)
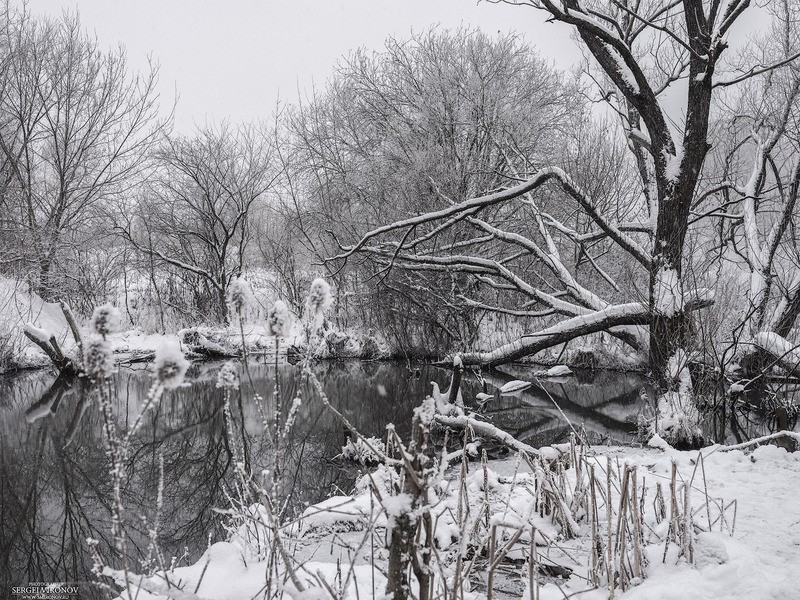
(233, 58)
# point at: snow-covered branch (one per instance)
(486, 429)
(472, 206)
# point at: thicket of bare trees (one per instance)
(425, 122)
(194, 215)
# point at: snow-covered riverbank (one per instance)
(745, 541)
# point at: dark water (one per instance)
(53, 467)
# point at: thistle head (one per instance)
(169, 366)
(228, 376)
(240, 295)
(319, 300)
(97, 360)
(279, 319)
(106, 319)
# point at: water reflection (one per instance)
(53, 466)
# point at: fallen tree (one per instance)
(635, 313)
(785, 353)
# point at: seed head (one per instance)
(97, 360)
(319, 300)
(279, 319)
(240, 295)
(106, 319)
(169, 366)
(228, 376)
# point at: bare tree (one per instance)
(754, 198)
(438, 117)
(195, 214)
(75, 132)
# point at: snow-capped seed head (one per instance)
(296, 404)
(240, 295)
(97, 360)
(106, 319)
(169, 366)
(319, 299)
(279, 319)
(228, 376)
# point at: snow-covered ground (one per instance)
(745, 517)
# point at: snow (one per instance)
(624, 71)
(37, 333)
(751, 554)
(515, 387)
(760, 559)
(640, 136)
(337, 513)
(396, 506)
(20, 306)
(364, 450)
(656, 441)
(787, 353)
(667, 293)
(558, 371)
(673, 164)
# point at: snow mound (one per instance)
(20, 306)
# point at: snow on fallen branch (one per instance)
(488, 430)
(36, 334)
(762, 440)
(786, 354)
(49, 345)
(634, 313)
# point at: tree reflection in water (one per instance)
(53, 466)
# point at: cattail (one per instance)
(228, 376)
(240, 295)
(319, 300)
(97, 360)
(169, 367)
(106, 320)
(279, 319)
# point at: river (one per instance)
(54, 470)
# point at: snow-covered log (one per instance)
(792, 435)
(786, 354)
(36, 334)
(634, 313)
(487, 430)
(49, 345)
